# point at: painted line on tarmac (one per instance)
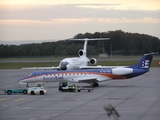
(2, 99)
(45, 117)
(33, 118)
(19, 99)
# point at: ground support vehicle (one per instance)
(64, 87)
(17, 90)
(38, 89)
(80, 89)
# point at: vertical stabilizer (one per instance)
(145, 61)
(83, 53)
(85, 48)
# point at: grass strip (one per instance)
(20, 65)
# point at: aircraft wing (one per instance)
(99, 67)
(42, 68)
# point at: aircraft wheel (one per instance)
(78, 90)
(95, 85)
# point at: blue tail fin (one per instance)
(145, 61)
(142, 66)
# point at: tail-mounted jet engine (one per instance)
(93, 61)
(80, 52)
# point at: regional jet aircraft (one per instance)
(91, 76)
(75, 62)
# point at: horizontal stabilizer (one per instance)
(42, 68)
(90, 39)
(154, 53)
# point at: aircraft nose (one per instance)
(22, 79)
(63, 65)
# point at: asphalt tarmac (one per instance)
(134, 99)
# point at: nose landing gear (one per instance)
(27, 85)
(94, 84)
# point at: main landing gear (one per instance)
(94, 84)
(27, 85)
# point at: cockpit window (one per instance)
(30, 75)
(64, 62)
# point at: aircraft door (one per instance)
(38, 78)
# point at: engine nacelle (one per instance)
(80, 52)
(122, 71)
(93, 61)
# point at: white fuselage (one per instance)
(75, 63)
(70, 76)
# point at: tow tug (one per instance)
(64, 87)
(38, 89)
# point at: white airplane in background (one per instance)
(75, 62)
(91, 76)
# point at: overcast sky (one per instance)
(45, 20)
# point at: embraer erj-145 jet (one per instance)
(75, 62)
(91, 76)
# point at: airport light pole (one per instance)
(110, 48)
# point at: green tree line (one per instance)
(121, 43)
